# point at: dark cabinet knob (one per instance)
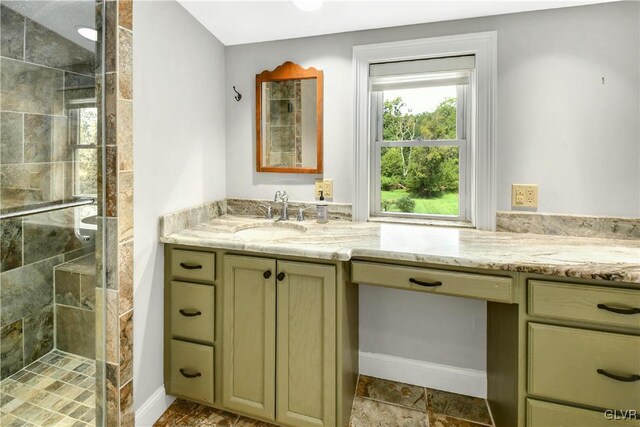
(280, 277)
(266, 274)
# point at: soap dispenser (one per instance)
(321, 209)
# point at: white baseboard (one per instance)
(153, 408)
(469, 382)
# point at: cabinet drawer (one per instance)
(566, 364)
(593, 304)
(545, 414)
(193, 311)
(192, 371)
(491, 288)
(193, 265)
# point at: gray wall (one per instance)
(558, 126)
(179, 154)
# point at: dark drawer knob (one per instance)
(188, 374)
(190, 266)
(266, 274)
(280, 277)
(423, 283)
(633, 310)
(190, 313)
(623, 378)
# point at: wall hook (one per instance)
(238, 97)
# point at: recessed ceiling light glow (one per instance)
(308, 5)
(88, 33)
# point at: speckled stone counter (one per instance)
(580, 257)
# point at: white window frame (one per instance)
(462, 142)
(481, 184)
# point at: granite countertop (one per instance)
(581, 257)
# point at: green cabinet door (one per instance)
(306, 352)
(249, 294)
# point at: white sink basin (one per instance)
(269, 231)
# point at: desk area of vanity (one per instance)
(276, 337)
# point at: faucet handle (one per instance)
(301, 210)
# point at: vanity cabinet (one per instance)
(271, 338)
(190, 324)
(280, 335)
(583, 350)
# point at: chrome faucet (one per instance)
(284, 198)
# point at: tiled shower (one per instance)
(49, 193)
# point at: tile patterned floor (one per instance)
(56, 390)
(378, 403)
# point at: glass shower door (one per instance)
(51, 315)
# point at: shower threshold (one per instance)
(56, 390)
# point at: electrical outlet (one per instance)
(524, 196)
(326, 186)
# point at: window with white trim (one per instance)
(421, 65)
(420, 137)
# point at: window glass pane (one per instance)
(86, 168)
(88, 126)
(419, 113)
(420, 180)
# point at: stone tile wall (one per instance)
(40, 72)
(75, 306)
(116, 266)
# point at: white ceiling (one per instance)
(238, 22)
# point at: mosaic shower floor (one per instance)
(56, 390)
(377, 403)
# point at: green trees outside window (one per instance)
(419, 179)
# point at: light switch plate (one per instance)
(524, 195)
(326, 186)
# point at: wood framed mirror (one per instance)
(289, 114)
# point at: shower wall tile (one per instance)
(125, 276)
(26, 290)
(125, 64)
(113, 328)
(11, 349)
(23, 184)
(67, 288)
(126, 347)
(50, 234)
(12, 34)
(79, 86)
(30, 88)
(125, 206)
(37, 138)
(111, 259)
(125, 14)
(110, 108)
(111, 36)
(11, 125)
(38, 334)
(111, 197)
(113, 395)
(125, 135)
(88, 291)
(119, 199)
(10, 244)
(71, 338)
(45, 47)
(127, 416)
(60, 150)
